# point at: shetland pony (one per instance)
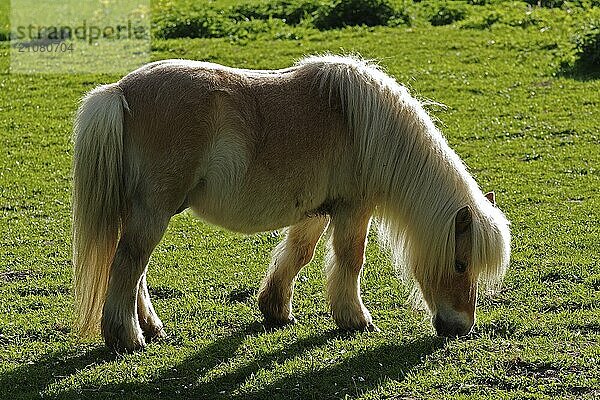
(331, 141)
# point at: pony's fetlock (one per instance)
(123, 340)
(154, 335)
(152, 329)
(120, 326)
(356, 318)
(275, 306)
(151, 325)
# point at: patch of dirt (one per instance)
(42, 291)
(241, 295)
(164, 292)
(536, 369)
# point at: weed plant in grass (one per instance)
(339, 13)
(446, 12)
(525, 130)
(193, 20)
(587, 49)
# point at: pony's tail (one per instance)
(98, 199)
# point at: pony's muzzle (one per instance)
(451, 328)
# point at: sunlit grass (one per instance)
(526, 130)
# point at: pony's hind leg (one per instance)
(152, 326)
(344, 265)
(120, 319)
(293, 253)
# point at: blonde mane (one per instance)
(419, 180)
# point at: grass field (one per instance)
(527, 129)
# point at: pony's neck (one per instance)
(419, 176)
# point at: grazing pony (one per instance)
(330, 141)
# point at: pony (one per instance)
(331, 143)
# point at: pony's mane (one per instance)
(419, 182)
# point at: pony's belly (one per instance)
(250, 215)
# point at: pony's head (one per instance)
(480, 255)
(449, 258)
(452, 298)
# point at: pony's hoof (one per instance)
(120, 346)
(364, 327)
(274, 323)
(155, 335)
(122, 340)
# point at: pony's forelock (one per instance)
(491, 245)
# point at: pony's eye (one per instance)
(460, 266)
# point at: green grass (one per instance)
(526, 130)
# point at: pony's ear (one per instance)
(463, 220)
(491, 196)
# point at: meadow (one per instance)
(518, 109)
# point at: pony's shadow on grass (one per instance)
(351, 377)
(31, 379)
(216, 371)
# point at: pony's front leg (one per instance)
(344, 264)
(293, 253)
(120, 319)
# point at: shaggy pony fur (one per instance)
(331, 141)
